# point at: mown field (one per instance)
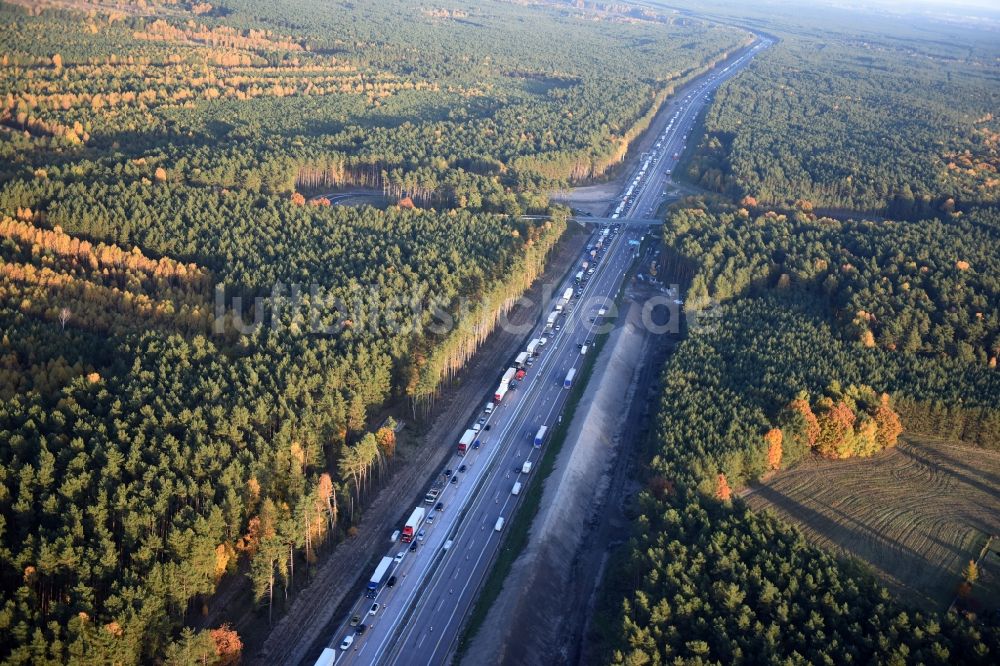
(916, 514)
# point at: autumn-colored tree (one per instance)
(971, 572)
(836, 429)
(228, 645)
(298, 199)
(812, 429)
(250, 542)
(773, 440)
(867, 339)
(327, 493)
(722, 489)
(160, 174)
(386, 441)
(888, 425)
(223, 556)
(57, 62)
(866, 438)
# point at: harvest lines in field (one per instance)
(916, 514)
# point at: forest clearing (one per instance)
(916, 514)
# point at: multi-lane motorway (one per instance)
(419, 618)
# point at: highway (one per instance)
(420, 617)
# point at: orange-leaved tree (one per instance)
(773, 440)
(836, 429)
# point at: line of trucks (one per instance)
(471, 440)
(517, 372)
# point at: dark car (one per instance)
(454, 479)
(360, 629)
(413, 546)
(391, 582)
(487, 427)
(439, 507)
(462, 468)
(447, 472)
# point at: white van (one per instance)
(499, 525)
(489, 407)
(583, 350)
(516, 490)
(395, 537)
(526, 467)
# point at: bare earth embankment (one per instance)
(526, 623)
(916, 514)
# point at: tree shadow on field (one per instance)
(991, 489)
(987, 477)
(857, 539)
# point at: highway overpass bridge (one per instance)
(584, 219)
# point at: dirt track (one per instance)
(308, 625)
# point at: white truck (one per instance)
(413, 524)
(516, 490)
(521, 359)
(379, 578)
(552, 319)
(533, 347)
(567, 294)
(465, 443)
(328, 657)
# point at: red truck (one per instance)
(410, 529)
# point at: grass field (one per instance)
(915, 514)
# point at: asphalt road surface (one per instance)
(419, 619)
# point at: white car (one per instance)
(346, 643)
(399, 556)
(374, 609)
